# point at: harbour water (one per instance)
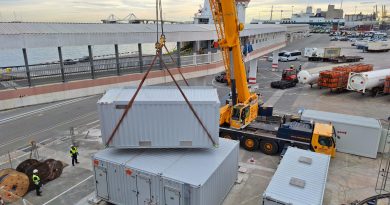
(14, 57)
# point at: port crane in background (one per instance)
(239, 117)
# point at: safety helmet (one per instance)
(35, 171)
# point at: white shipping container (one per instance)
(322, 52)
(378, 46)
(361, 82)
(160, 117)
(309, 52)
(166, 176)
(300, 179)
(356, 135)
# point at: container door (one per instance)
(101, 182)
(144, 189)
(172, 196)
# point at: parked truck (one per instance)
(315, 54)
(332, 55)
(377, 46)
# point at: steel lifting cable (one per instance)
(162, 33)
(159, 54)
(131, 102)
(189, 104)
(157, 21)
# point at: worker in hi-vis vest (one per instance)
(37, 182)
(73, 153)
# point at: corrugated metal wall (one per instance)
(173, 123)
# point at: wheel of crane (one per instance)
(269, 147)
(250, 143)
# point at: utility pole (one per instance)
(281, 14)
(292, 11)
(272, 10)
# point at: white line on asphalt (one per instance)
(27, 153)
(47, 129)
(67, 190)
(92, 122)
(18, 116)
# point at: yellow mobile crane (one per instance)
(238, 118)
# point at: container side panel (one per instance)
(101, 182)
(221, 181)
(115, 178)
(173, 123)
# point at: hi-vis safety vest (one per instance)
(73, 151)
(36, 179)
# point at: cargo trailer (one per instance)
(355, 135)
(299, 179)
(368, 81)
(378, 46)
(164, 109)
(310, 76)
(166, 176)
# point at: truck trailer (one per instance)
(274, 134)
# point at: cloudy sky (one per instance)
(95, 10)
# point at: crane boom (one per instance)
(244, 107)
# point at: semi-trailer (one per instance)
(310, 76)
(372, 81)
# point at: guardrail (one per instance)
(50, 73)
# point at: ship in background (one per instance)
(320, 18)
(204, 16)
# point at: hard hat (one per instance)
(35, 171)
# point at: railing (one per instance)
(52, 73)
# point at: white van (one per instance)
(291, 56)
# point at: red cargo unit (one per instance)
(337, 78)
(387, 85)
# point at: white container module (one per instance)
(356, 135)
(361, 82)
(299, 179)
(378, 46)
(160, 117)
(166, 177)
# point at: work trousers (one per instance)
(38, 189)
(74, 159)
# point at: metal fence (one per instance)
(52, 73)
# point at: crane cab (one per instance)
(322, 139)
(243, 114)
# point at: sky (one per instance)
(180, 10)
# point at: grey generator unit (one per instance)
(166, 176)
(356, 135)
(160, 117)
(300, 179)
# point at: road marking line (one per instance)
(21, 115)
(67, 190)
(92, 122)
(47, 129)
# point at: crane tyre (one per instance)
(250, 143)
(269, 147)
